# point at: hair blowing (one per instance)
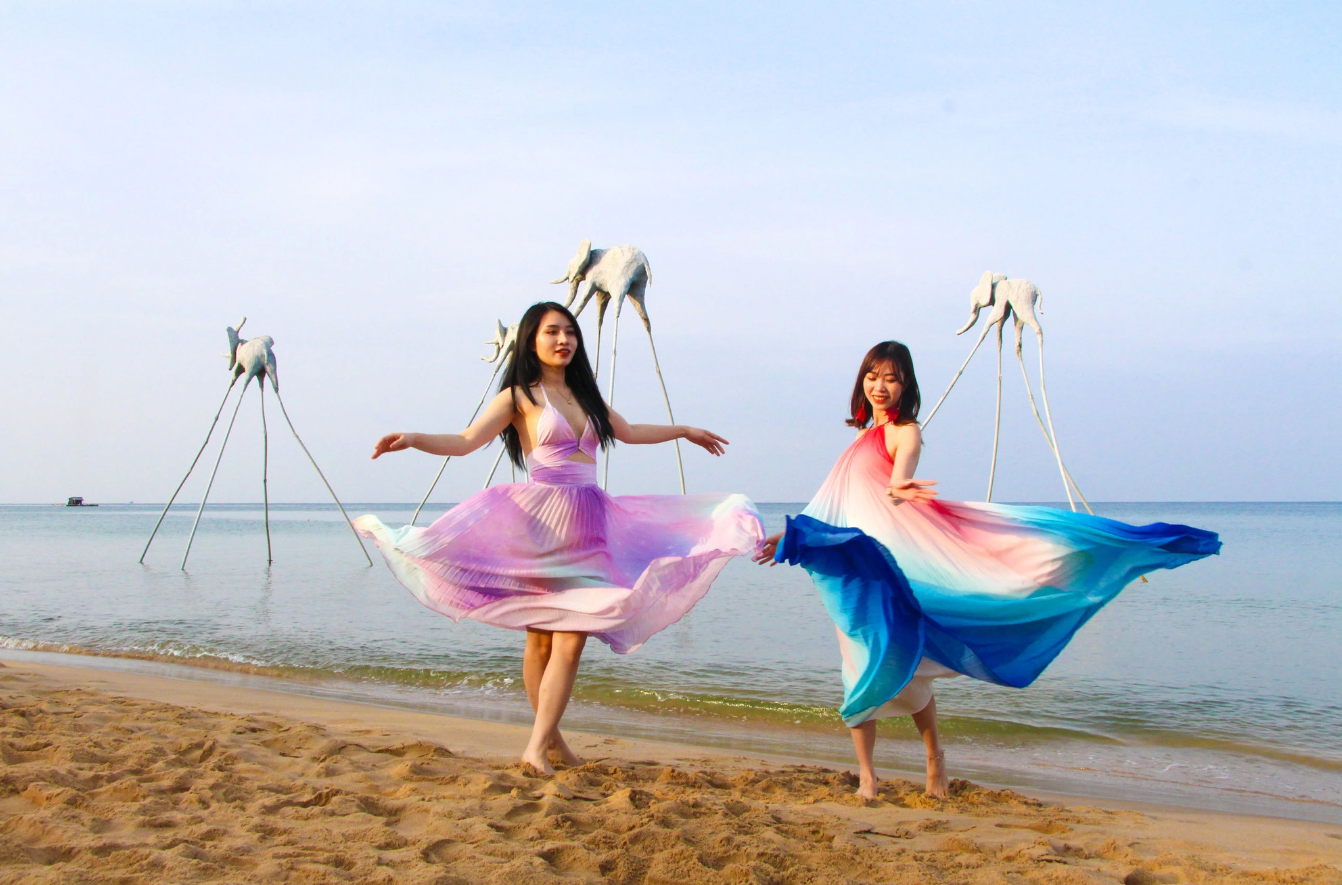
(897, 356)
(524, 371)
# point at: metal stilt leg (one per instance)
(1053, 433)
(497, 459)
(984, 334)
(610, 390)
(205, 497)
(600, 315)
(680, 467)
(194, 460)
(289, 421)
(1052, 444)
(265, 468)
(997, 419)
(443, 467)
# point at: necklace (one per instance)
(567, 399)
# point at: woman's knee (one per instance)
(568, 646)
(540, 641)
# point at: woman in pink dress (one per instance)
(557, 556)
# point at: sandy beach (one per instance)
(116, 777)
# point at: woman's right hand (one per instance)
(765, 555)
(913, 490)
(393, 442)
(706, 440)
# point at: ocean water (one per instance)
(1216, 685)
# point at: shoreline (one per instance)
(1185, 726)
(139, 777)
(683, 736)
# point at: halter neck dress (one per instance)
(943, 588)
(558, 553)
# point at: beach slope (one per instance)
(113, 777)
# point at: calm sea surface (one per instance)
(1217, 685)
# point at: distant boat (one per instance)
(77, 501)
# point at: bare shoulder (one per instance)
(903, 436)
(515, 400)
(526, 396)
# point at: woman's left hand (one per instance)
(707, 440)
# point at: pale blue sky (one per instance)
(374, 184)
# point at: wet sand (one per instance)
(127, 778)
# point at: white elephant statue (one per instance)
(248, 359)
(503, 342)
(1017, 298)
(615, 272)
(252, 357)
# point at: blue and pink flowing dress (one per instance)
(558, 553)
(920, 591)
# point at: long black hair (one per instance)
(524, 370)
(899, 359)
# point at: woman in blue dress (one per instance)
(920, 588)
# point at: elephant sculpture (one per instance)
(1017, 299)
(617, 272)
(609, 273)
(253, 357)
(247, 359)
(503, 342)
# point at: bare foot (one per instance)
(866, 786)
(538, 762)
(559, 747)
(937, 785)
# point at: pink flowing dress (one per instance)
(558, 553)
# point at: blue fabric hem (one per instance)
(1008, 639)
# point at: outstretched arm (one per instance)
(908, 442)
(647, 434)
(765, 555)
(497, 415)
